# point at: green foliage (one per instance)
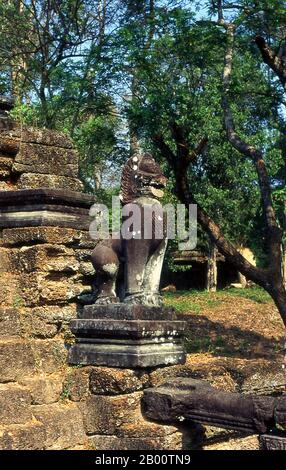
(93, 74)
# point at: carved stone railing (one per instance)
(193, 400)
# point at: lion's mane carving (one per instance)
(141, 176)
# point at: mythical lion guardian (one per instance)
(140, 250)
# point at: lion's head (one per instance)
(141, 176)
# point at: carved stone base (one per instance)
(45, 207)
(123, 335)
(272, 442)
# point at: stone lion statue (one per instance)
(141, 251)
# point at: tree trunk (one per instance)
(278, 294)
(212, 268)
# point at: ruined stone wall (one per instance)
(44, 402)
(42, 270)
(34, 158)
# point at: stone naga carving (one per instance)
(141, 251)
(186, 399)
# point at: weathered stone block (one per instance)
(127, 353)
(86, 269)
(63, 425)
(7, 186)
(44, 389)
(110, 381)
(272, 442)
(9, 294)
(28, 289)
(240, 443)
(76, 383)
(30, 436)
(9, 322)
(9, 144)
(16, 359)
(171, 442)
(131, 329)
(195, 400)
(129, 336)
(143, 429)
(47, 257)
(14, 404)
(105, 414)
(83, 256)
(215, 374)
(46, 321)
(5, 166)
(51, 235)
(44, 215)
(38, 326)
(9, 260)
(37, 180)
(121, 311)
(35, 158)
(48, 288)
(49, 355)
(59, 289)
(45, 137)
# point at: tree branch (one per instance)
(270, 58)
(274, 233)
(184, 194)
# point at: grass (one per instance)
(195, 301)
(257, 294)
(191, 301)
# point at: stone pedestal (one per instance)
(122, 335)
